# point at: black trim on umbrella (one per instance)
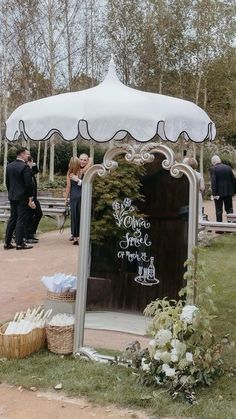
(79, 135)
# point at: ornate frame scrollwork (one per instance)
(136, 153)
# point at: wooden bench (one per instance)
(217, 226)
(50, 209)
(59, 214)
(4, 216)
(51, 202)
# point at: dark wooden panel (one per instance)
(166, 207)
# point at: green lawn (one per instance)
(46, 224)
(113, 384)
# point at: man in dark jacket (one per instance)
(20, 193)
(223, 187)
(34, 215)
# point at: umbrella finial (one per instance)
(112, 61)
(111, 74)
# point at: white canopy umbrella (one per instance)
(110, 111)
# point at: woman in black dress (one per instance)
(77, 168)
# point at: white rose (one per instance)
(152, 343)
(178, 347)
(169, 372)
(165, 357)
(163, 336)
(144, 365)
(157, 355)
(187, 313)
(189, 357)
(174, 358)
(174, 355)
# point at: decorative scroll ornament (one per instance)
(141, 154)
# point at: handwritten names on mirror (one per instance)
(137, 238)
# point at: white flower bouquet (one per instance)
(182, 352)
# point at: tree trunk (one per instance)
(1, 120)
(38, 159)
(201, 146)
(5, 162)
(92, 43)
(5, 115)
(45, 159)
(196, 101)
(91, 150)
(161, 83)
(74, 148)
(68, 38)
(0, 141)
(52, 155)
(194, 150)
(51, 45)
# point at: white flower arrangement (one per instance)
(178, 355)
(182, 352)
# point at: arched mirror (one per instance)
(142, 231)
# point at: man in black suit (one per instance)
(34, 215)
(223, 187)
(20, 193)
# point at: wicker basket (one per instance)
(60, 339)
(21, 345)
(64, 296)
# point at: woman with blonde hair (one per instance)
(76, 170)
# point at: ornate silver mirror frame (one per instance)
(137, 153)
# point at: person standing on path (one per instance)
(20, 194)
(34, 215)
(76, 170)
(223, 184)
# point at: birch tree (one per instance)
(212, 26)
(4, 88)
(124, 36)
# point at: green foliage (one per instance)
(56, 184)
(121, 183)
(183, 353)
(11, 155)
(2, 188)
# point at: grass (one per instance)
(46, 224)
(113, 384)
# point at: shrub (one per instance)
(123, 182)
